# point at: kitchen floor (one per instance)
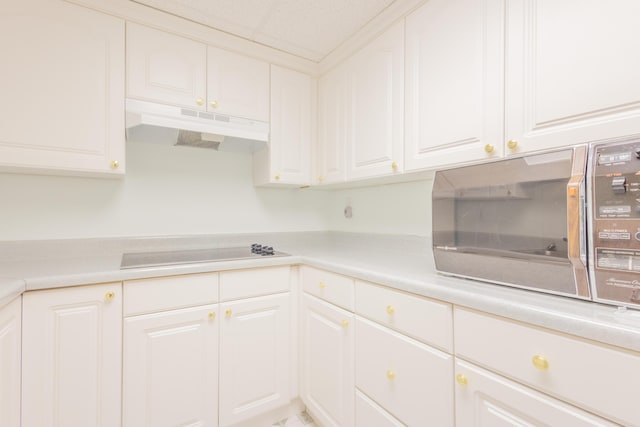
(299, 420)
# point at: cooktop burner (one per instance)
(190, 256)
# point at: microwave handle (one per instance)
(576, 233)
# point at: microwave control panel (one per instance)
(615, 222)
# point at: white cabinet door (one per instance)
(254, 357)
(454, 78)
(327, 362)
(484, 399)
(170, 368)
(237, 85)
(72, 356)
(10, 353)
(411, 380)
(287, 160)
(165, 68)
(375, 78)
(331, 146)
(62, 86)
(571, 72)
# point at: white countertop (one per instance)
(403, 263)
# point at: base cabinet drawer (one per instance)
(601, 379)
(484, 399)
(411, 380)
(369, 414)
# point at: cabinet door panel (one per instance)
(488, 400)
(453, 92)
(571, 71)
(332, 123)
(254, 357)
(72, 346)
(62, 80)
(171, 368)
(369, 414)
(375, 78)
(10, 354)
(237, 84)
(327, 362)
(165, 68)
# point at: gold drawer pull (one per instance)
(512, 144)
(212, 315)
(345, 323)
(540, 362)
(391, 375)
(462, 380)
(321, 285)
(109, 296)
(488, 148)
(228, 312)
(390, 310)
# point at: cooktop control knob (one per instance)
(618, 185)
(256, 248)
(637, 153)
(267, 250)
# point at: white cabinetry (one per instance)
(62, 85)
(599, 379)
(375, 99)
(484, 399)
(454, 77)
(170, 356)
(255, 343)
(10, 354)
(327, 347)
(72, 355)
(571, 72)
(170, 69)
(287, 159)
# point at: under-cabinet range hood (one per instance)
(171, 125)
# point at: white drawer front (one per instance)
(253, 282)
(411, 380)
(423, 319)
(168, 293)
(331, 287)
(598, 378)
(369, 414)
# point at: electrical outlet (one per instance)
(348, 212)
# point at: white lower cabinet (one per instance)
(327, 352)
(484, 399)
(254, 357)
(72, 354)
(411, 380)
(369, 414)
(10, 353)
(170, 368)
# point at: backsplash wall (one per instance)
(175, 191)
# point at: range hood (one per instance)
(171, 125)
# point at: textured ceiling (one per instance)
(307, 28)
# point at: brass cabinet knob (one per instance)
(512, 144)
(391, 375)
(212, 315)
(320, 178)
(115, 164)
(540, 362)
(321, 285)
(214, 104)
(489, 148)
(345, 323)
(462, 380)
(277, 177)
(109, 296)
(200, 101)
(394, 166)
(390, 310)
(228, 312)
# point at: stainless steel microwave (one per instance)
(517, 221)
(565, 222)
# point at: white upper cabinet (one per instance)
(287, 160)
(331, 145)
(375, 99)
(453, 92)
(571, 72)
(62, 86)
(170, 69)
(165, 68)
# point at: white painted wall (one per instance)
(174, 191)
